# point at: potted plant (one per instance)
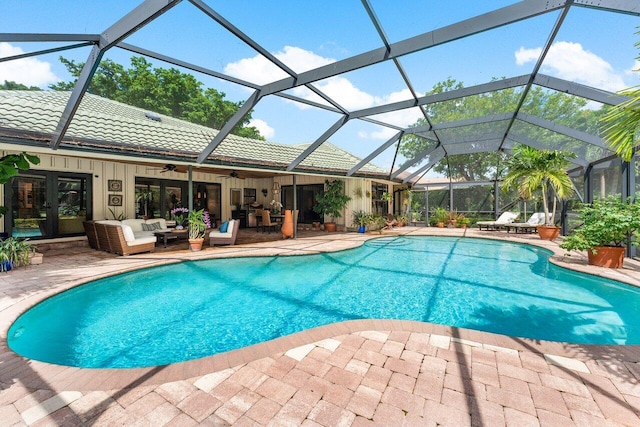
(386, 196)
(415, 217)
(360, 220)
(452, 219)
(178, 216)
(14, 252)
(609, 226)
(463, 221)
(540, 171)
(376, 222)
(331, 202)
(199, 222)
(402, 220)
(440, 215)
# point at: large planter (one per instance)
(330, 226)
(287, 224)
(548, 232)
(362, 229)
(196, 244)
(607, 256)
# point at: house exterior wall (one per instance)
(105, 167)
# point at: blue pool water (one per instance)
(195, 309)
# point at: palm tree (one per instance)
(621, 124)
(531, 170)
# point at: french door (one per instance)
(47, 204)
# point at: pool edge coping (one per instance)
(51, 375)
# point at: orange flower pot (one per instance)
(607, 256)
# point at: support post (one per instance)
(628, 171)
(496, 199)
(295, 207)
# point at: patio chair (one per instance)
(504, 219)
(390, 222)
(530, 226)
(266, 221)
(227, 238)
(123, 242)
(92, 234)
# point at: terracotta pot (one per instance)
(330, 226)
(287, 224)
(548, 232)
(441, 225)
(607, 256)
(195, 244)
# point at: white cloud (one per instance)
(634, 70)
(28, 71)
(261, 71)
(570, 61)
(265, 130)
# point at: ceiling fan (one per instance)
(232, 174)
(170, 168)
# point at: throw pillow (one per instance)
(154, 226)
(146, 227)
(224, 226)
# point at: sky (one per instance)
(593, 47)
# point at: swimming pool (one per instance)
(195, 309)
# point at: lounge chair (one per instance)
(530, 226)
(227, 238)
(504, 219)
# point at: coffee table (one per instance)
(165, 236)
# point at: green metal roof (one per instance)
(103, 123)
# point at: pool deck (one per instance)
(361, 373)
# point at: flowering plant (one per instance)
(199, 221)
(275, 206)
(178, 214)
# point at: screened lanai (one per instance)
(407, 86)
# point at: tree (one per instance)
(620, 123)
(11, 85)
(558, 107)
(165, 91)
(532, 170)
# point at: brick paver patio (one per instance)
(360, 373)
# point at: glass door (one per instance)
(47, 204)
(71, 199)
(30, 212)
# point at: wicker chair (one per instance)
(266, 221)
(102, 237)
(92, 234)
(118, 244)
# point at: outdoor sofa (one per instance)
(127, 237)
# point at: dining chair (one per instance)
(266, 221)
